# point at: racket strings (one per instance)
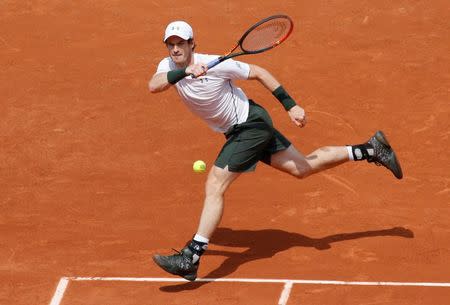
(267, 35)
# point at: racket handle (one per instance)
(214, 62)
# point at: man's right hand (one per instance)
(197, 70)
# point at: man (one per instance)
(251, 137)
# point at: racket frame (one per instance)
(229, 55)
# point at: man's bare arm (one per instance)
(264, 77)
(161, 81)
(296, 113)
(158, 83)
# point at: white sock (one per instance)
(201, 239)
(350, 153)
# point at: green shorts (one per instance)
(254, 140)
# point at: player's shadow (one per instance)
(263, 244)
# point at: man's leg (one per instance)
(295, 163)
(218, 181)
(186, 262)
(377, 150)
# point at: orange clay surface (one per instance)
(95, 171)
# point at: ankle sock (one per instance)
(360, 152)
(201, 239)
(198, 246)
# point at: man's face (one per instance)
(180, 50)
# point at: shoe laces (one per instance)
(373, 159)
(178, 252)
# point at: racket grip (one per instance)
(214, 62)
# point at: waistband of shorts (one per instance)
(252, 104)
(233, 127)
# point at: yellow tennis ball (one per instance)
(199, 166)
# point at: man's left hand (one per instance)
(297, 115)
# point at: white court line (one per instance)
(288, 283)
(285, 293)
(59, 293)
(244, 280)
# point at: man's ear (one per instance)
(192, 43)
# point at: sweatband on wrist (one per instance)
(175, 76)
(284, 98)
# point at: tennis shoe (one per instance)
(384, 155)
(180, 264)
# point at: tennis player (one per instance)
(249, 132)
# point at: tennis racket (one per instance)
(264, 35)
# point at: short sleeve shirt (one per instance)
(214, 97)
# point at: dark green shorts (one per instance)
(254, 140)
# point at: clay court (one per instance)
(96, 172)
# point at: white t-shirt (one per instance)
(214, 97)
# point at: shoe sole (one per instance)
(379, 135)
(189, 277)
